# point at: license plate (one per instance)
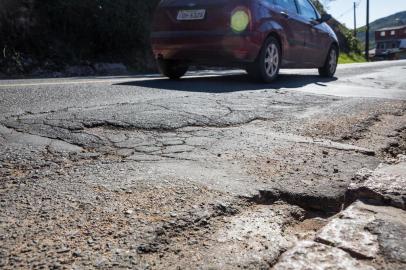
(190, 15)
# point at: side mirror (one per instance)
(325, 18)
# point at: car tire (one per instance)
(330, 66)
(172, 69)
(266, 66)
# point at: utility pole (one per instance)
(355, 20)
(367, 34)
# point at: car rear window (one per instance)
(289, 5)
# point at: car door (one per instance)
(316, 38)
(286, 14)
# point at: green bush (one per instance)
(94, 28)
(73, 31)
(351, 58)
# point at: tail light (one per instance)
(240, 19)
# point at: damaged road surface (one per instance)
(210, 172)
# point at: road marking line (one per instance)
(103, 81)
(63, 83)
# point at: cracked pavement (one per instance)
(210, 172)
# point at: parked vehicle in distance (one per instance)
(260, 36)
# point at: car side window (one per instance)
(306, 10)
(289, 5)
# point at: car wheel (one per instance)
(266, 67)
(172, 69)
(330, 66)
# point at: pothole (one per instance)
(252, 238)
(325, 204)
(397, 146)
(249, 234)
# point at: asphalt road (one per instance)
(142, 172)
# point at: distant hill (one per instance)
(392, 20)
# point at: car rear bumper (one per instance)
(212, 47)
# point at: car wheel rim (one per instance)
(272, 60)
(333, 61)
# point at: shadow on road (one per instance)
(229, 83)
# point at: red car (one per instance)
(260, 36)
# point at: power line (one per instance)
(355, 20)
(367, 35)
(357, 4)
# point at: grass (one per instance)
(350, 58)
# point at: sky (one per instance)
(343, 10)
